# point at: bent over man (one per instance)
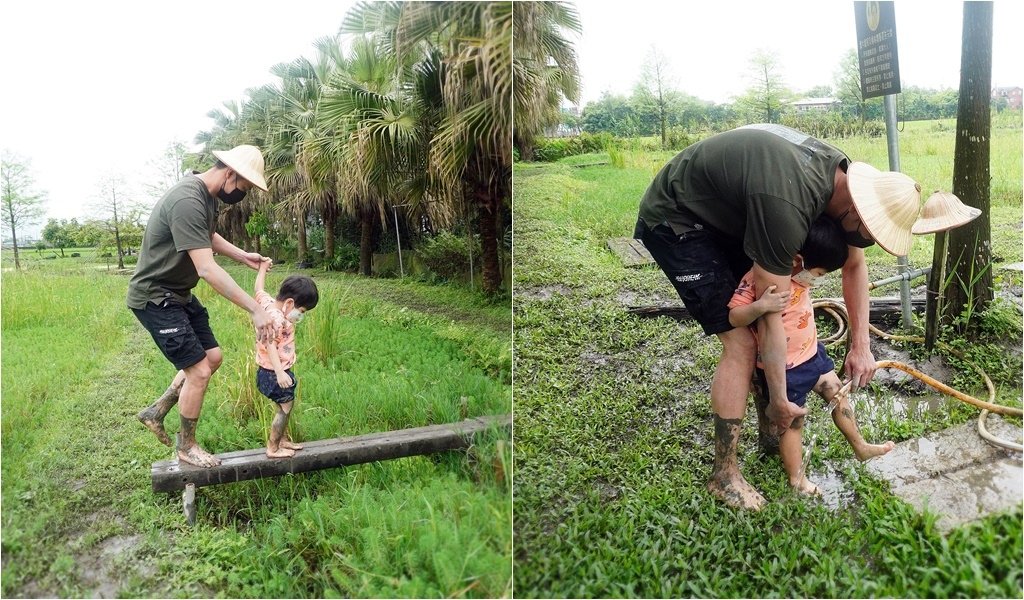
(746, 199)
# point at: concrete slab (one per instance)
(955, 473)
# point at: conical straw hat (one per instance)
(944, 211)
(888, 203)
(245, 160)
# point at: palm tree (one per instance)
(378, 105)
(545, 68)
(470, 155)
(301, 151)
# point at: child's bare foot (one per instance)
(150, 417)
(868, 451)
(194, 455)
(806, 488)
(281, 452)
(290, 445)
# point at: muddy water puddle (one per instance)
(872, 408)
(836, 490)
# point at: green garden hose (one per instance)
(837, 311)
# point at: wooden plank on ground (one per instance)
(630, 251)
(172, 475)
(882, 310)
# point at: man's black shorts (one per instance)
(705, 269)
(181, 331)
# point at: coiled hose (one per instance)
(837, 311)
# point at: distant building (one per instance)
(1012, 95)
(815, 104)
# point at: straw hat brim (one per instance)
(943, 211)
(888, 203)
(244, 168)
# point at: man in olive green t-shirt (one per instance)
(746, 198)
(177, 251)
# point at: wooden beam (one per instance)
(631, 252)
(172, 475)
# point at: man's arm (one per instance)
(218, 278)
(226, 248)
(860, 363)
(771, 339)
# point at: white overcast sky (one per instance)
(709, 43)
(97, 87)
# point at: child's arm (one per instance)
(769, 302)
(283, 379)
(261, 276)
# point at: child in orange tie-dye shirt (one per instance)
(808, 366)
(274, 377)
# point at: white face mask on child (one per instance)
(295, 316)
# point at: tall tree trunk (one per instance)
(661, 117)
(330, 221)
(14, 237)
(970, 247)
(525, 148)
(117, 236)
(366, 224)
(488, 239)
(301, 234)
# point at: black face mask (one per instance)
(234, 197)
(854, 238)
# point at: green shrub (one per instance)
(130, 260)
(447, 254)
(552, 149)
(346, 258)
(832, 125)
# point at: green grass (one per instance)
(77, 366)
(614, 436)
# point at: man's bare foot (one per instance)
(194, 455)
(150, 417)
(867, 451)
(281, 452)
(736, 492)
(805, 488)
(290, 445)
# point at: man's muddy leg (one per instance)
(153, 415)
(767, 442)
(197, 377)
(729, 391)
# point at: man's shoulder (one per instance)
(189, 189)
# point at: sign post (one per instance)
(880, 76)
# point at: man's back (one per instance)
(762, 185)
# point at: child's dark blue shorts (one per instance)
(801, 379)
(266, 382)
